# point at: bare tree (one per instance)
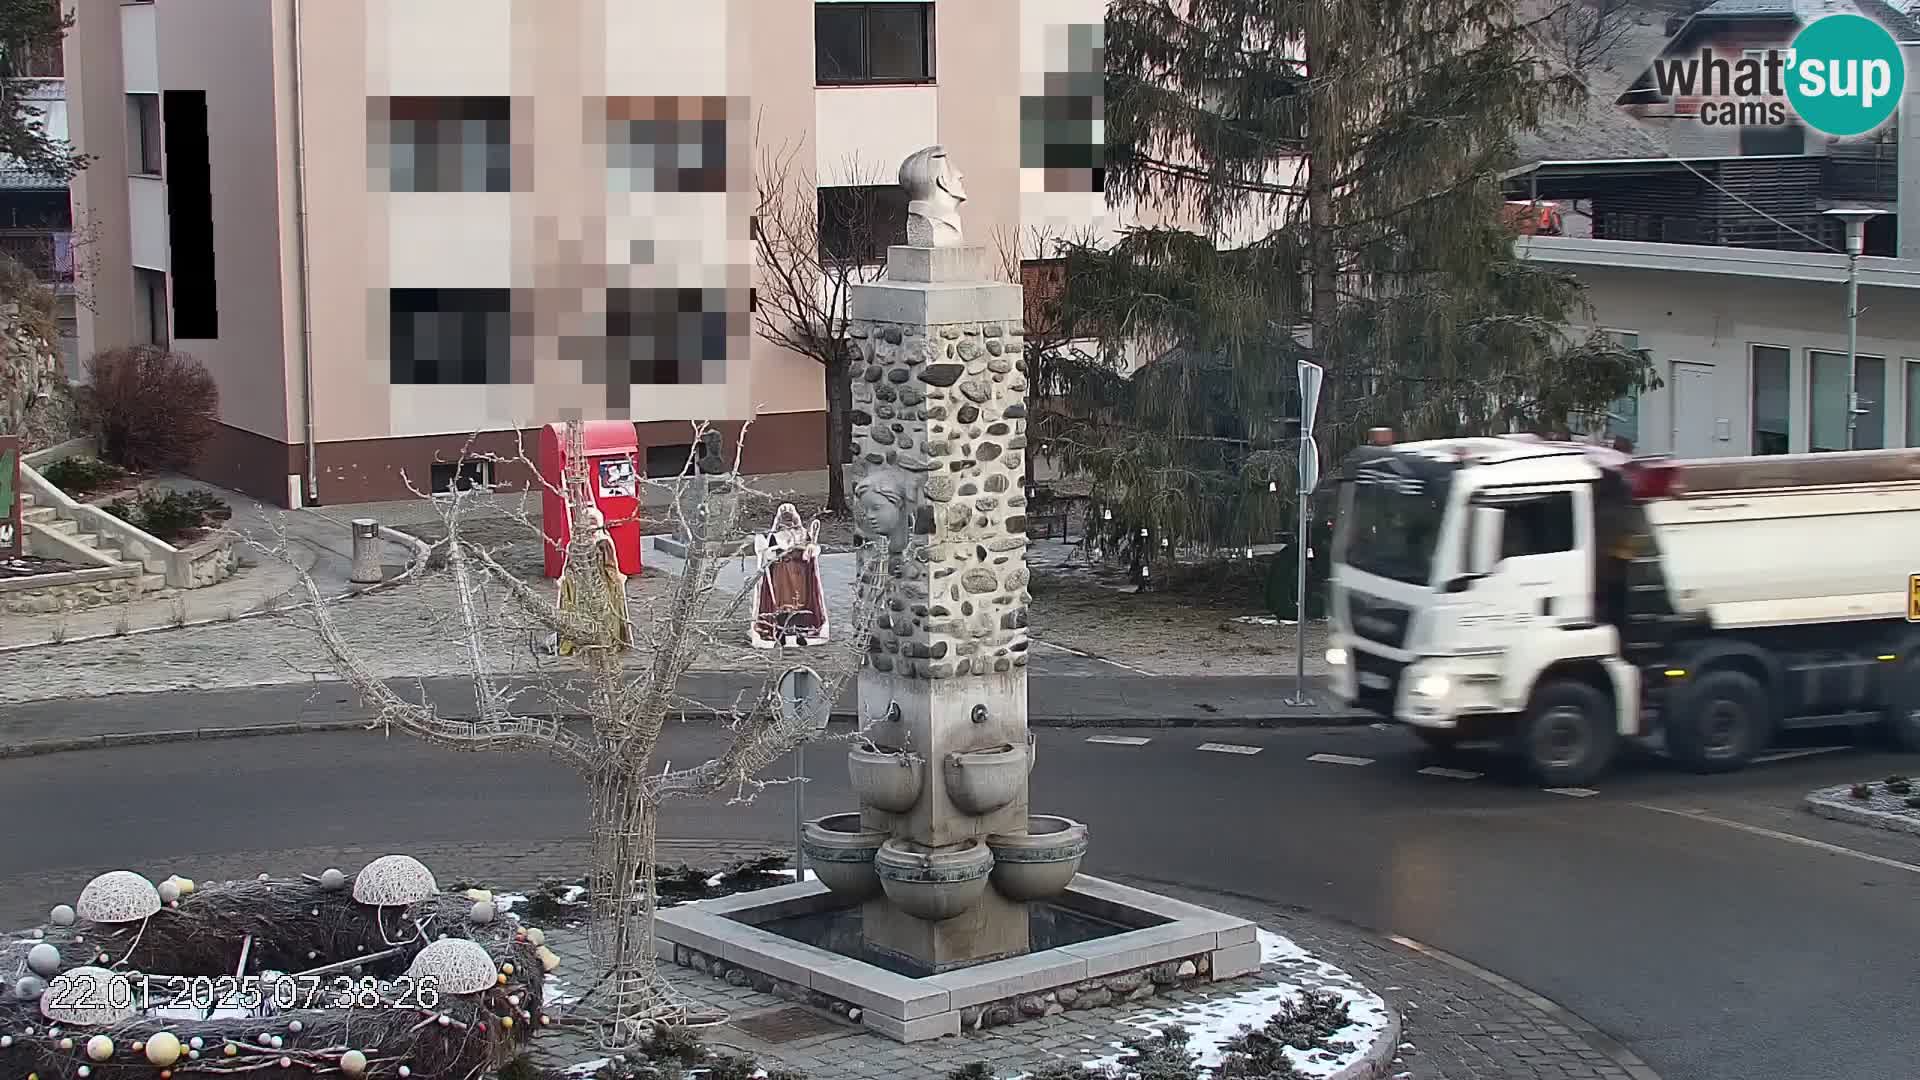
(1587, 34)
(813, 246)
(626, 710)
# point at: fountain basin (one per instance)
(1040, 863)
(932, 884)
(886, 778)
(841, 853)
(982, 781)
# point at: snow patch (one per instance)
(585, 1068)
(556, 996)
(503, 902)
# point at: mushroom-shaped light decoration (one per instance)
(85, 997)
(120, 896)
(453, 966)
(394, 881)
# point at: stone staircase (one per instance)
(66, 533)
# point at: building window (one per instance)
(150, 307)
(450, 144)
(859, 223)
(666, 462)
(667, 144)
(464, 475)
(1773, 139)
(1913, 402)
(872, 43)
(1772, 399)
(143, 134)
(451, 336)
(1827, 401)
(1621, 419)
(665, 337)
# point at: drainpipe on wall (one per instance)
(1907, 156)
(300, 239)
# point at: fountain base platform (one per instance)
(803, 939)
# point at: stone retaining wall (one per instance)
(71, 592)
(211, 562)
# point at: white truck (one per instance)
(1566, 598)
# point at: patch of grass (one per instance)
(83, 475)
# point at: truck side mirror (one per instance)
(1486, 526)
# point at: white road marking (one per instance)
(1101, 659)
(1451, 774)
(1789, 755)
(1575, 792)
(1773, 834)
(1228, 748)
(1118, 740)
(1340, 759)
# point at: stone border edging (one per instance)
(420, 549)
(1377, 1060)
(39, 747)
(1820, 805)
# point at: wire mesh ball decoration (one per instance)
(119, 896)
(394, 881)
(454, 966)
(84, 997)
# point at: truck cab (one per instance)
(1560, 597)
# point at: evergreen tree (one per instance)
(30, 33)
(1358, 147)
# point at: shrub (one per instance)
(1899, 787)
(1913, 802)
(151, 408)
(170, 515)
(82, 475)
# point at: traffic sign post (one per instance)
(799, 700)
(1311, 376)
(1913, 598)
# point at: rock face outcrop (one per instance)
(34, 400)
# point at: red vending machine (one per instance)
(613, 477)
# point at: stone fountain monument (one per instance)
(943, 893)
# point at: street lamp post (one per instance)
(1855, 220)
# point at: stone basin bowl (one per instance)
(841, 852)
(886, 778)
(1039, 863)
(982, 781)
(933, 884)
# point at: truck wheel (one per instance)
(1903, 706)
(1568, 735)
(1720, 723)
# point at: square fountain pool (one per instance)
(805, 936)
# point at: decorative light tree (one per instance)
(632, 667)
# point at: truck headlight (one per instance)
(1336, 657)
(1432, 686)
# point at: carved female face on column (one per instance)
(884, 508)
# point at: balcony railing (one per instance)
(49, 256)
(1863, 172)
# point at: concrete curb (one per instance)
(420, 548)
(39, 747)
(1377, 1060)
(1822, 805)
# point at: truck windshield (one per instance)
(1391, 531)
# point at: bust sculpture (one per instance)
(934, 194)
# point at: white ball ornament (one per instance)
(266, 1039)
(404, 1071)
(5, 1041)
(84, 1070)
(353, 1063)
(294, 1026)
(197, 1043)
(277, 1042)
(286, 1063)
(169, 891)
(163, 1049)
(44, 960)
(333, 880)
(63, 915)
(99, 1048)
(264, 877)
(482, 913)
(536, 937)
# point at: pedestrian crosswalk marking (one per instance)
(1575, 792)
(1451, 774)
(1119, 740)
(1229, 748)
(1340, 759)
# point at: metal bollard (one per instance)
(366, 553)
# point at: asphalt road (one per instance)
(1698, 920)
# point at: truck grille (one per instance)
(1378, 620)
(1376, 681)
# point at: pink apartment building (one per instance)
(385, 225)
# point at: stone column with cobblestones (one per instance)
(939, 419)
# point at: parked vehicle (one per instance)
(1565, 597)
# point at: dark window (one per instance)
(668, 461)
(665, 336)
(441, 336)
(858, 224)
(150, 306)
(450, 476)
(872, 43)
(143, 134)
(667, 144)
(1827, 401)
(450, 144)
(196, 310)
(1772, 399)
(1773, 139)
(1537, 526)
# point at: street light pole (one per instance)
(1856, 224)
